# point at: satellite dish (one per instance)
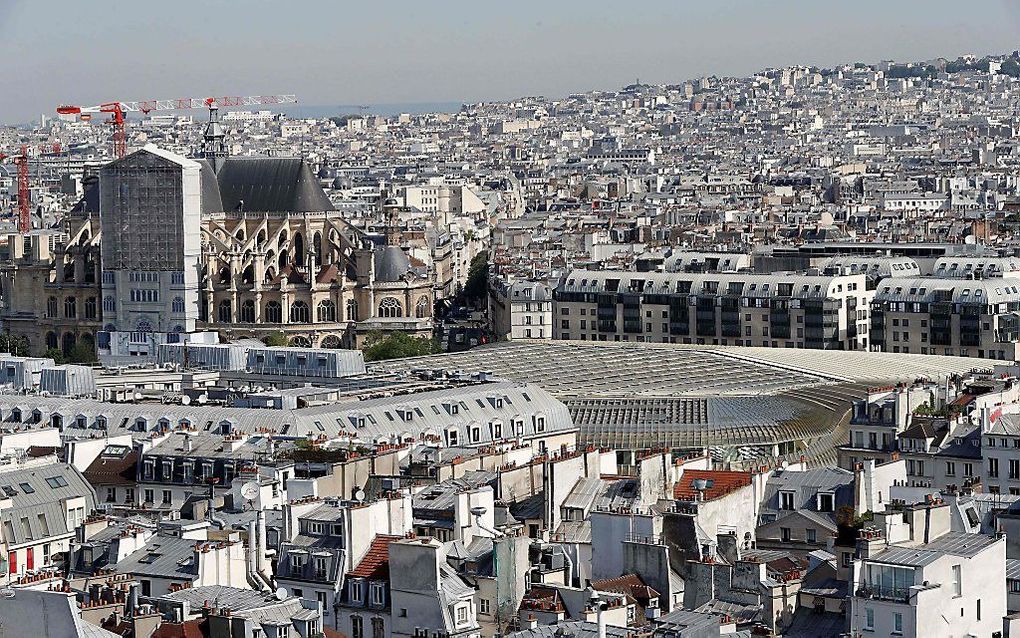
(185, 400)
(359, 495)
(250, 491)
(138, 396)
(202, 398)
(281, 593)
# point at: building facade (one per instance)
(740, 309)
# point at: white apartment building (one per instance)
(521, 310)
(949, 316)
(740, 309)
(917, 579)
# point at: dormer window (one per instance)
(826, 502)
(378, 594)
(451, 437)
(786, 500)
(355, 591)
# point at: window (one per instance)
(56, 481)
(325, 311)
(462, 614)
(483, 605)
(378, 628)
(785, 534)
(869, 618)
(26, 488)
(378, 594)
(811, 535)
(354, 591)
(993, 468)
(957, 581)
(247, 313)
(274, 312)
(299, 312)
(148, 496)
(177, 305)
(70, 308)
(826, 501)
(390, 308)
(785, 500)
(90, 308)
(897, 622)
(357, 626)
(167, 497)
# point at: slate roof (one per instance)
(37, 505)
(162, 557)
(270, 184)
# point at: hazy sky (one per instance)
(385, 51)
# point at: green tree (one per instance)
(56, 354)
(82, 352)
(397, 345)
(275, 339)
(476, 288)
(18, 346)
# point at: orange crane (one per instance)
(118, 109)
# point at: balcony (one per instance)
(881, 592)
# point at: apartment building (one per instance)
(948, 316)
(521, 309)
(739, 309)
(914, 577)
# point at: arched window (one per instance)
(69, 341)
(224, 275)
(177, 305)
(70, 308)
(299, 312)
(326, 311)
(51, 340)
(274, 313)
(390, 308)
(109, 305)
(352, 310)
(90, 308)
(301, 341)
(248, 311)
(331, 341)
(51, 307)
(299, 249)
(223, 314)
(421, 309)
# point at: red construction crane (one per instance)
(24, 196)
(118, 109)
(24, 205)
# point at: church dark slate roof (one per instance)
(270, 184)
(264, 184)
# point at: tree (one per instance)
(478, 278)
(56, 354)
(82, 352)
(275, 339)
(397, 345)
(18, 346)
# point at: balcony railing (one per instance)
(884, 592)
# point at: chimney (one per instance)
(530, 623)
(601, 619)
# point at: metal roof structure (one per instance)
(644, 395)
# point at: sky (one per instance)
(400, 51)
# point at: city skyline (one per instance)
(403, 53)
